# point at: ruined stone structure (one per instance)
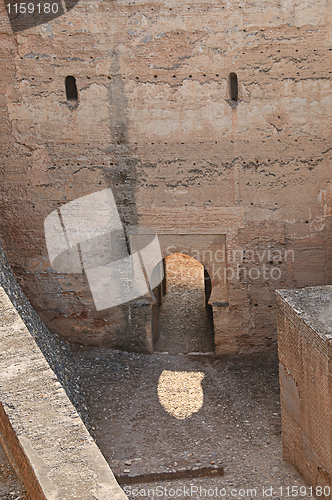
(210, 119)
(36, 415)
(304, 344)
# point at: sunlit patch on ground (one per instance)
(181, 393)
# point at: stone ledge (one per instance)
(313, 305)
(42, 433)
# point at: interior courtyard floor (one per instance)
(235, 427)
(174, 419)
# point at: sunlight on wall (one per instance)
(184, 271)
(181, 393)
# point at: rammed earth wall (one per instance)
(154, 123)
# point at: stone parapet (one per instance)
(305, 354)
(41, 431)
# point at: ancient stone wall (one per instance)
(40, 430)
(305, 353)
(56, 351)
(154, 122)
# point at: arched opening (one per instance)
(185, 317)
(71, 88)
(233, 87)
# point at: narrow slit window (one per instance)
(71, 89)
(233, 87)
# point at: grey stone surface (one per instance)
(55, 350)
(63, 456)
(314, 307)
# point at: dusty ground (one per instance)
(170, 415)
(185, 324)
(237, 426)
(10, 486)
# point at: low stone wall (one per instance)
(305, 354)
(55, 350)
(43, 435)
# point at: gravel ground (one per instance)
(11, 487)
(185, 324)
(178, 414)
(237, 426)
(174, 414)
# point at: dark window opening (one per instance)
(71, 89)
(233, 87)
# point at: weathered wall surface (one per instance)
(57, 352)
(305, 353)
(155, 124)
(42, 433)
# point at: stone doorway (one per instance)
(185, 317)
